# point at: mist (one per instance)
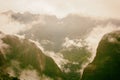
(70, 41)
(55, 40)
(96, 34)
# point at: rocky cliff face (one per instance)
(18, 57)
(107, 61)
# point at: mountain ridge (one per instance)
(22, 54)
(106, 64)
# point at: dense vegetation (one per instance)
(107, 61)
(25, 55)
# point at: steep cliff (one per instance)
(18, 56)
(107, 61)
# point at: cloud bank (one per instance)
(9, 26)
(96, 34)
(62, 8)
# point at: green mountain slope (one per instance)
(107, 61)
(21, 54)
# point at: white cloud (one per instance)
(96, 34)
(29, 75)
(7, 25)
(14, 65)
(105, 8)
(38, 45)
(57, 57)
(46, 42)
(3, 46)
(70, 43)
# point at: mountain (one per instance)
(77, 58)
(52, 33)
(23, 59)
(107, 61)
(55, 30)
(4, 76)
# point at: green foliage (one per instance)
(51, 69)
(72, 74)
(76, 54)
(23, 54)
(4, 76)
(77, 57)
(23, 51)
(107, 61)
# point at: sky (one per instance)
(60, 8)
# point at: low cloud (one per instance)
(14, 68)
(70, 43)
(59, 34)
(29, 75)
(96, 34)
(7, 25)
(57, 57)
(3, 46)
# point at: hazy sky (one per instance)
(107, 8)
